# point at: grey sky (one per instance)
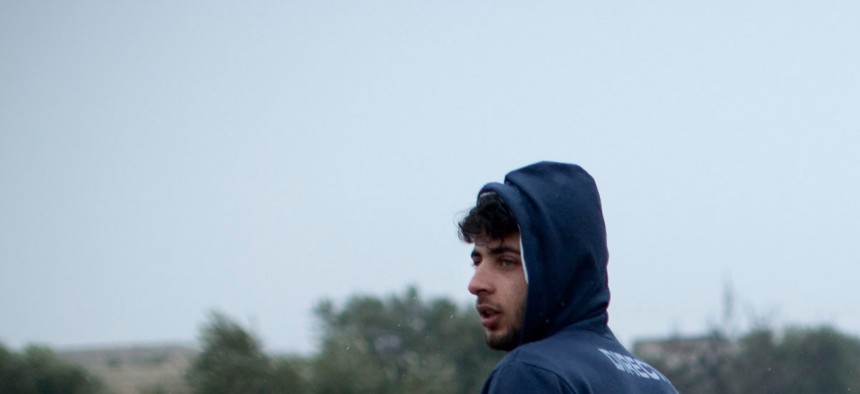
(159, 159)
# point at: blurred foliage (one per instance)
(232, 361)
(39, 371)
(766, 360)
(398, 345)
(401, 344)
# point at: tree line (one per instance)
(406, 344)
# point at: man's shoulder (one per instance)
(567, 356)
(563, 347)
(519, 373)
(582, 361)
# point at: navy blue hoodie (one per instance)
(566, 345)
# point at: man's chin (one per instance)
(506, 341)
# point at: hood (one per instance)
(563, 238)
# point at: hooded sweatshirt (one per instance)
(565, 345)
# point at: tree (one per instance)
(801, 360)
(232, 361)
(401, 344)
(764, 360)
(39, 371)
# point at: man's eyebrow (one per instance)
(497, 250)
(504, 249)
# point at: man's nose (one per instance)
(480, 282)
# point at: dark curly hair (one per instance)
(490, 217)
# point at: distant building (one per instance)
(685, 352)
(697, 363)
(137, 369)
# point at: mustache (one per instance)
(485, 304)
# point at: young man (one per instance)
(541, 285)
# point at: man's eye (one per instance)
(508, 262)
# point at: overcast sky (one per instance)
(162, 159)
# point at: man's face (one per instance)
(500, 285)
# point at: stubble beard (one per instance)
(511, 338)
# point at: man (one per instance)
(540, 279)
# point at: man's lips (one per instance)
(490, 316)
